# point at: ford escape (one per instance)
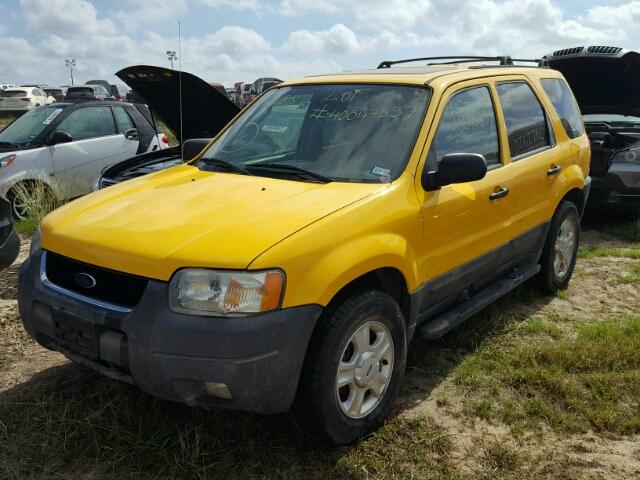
(290, 263)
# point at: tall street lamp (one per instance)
(70, 63)
(171, 55)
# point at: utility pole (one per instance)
(171, 55)
(70, 63)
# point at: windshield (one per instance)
(27, 128)
(351, 133)
(607, 118)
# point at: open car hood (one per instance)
(603, 79)
(205, 111)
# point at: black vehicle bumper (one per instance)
(255, 360)
(9, 249)
(619, 187)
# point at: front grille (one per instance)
(110, 286)
(568, 51)
(604, 50)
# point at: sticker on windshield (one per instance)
(274, 128)
(383, 173)
(53, 115)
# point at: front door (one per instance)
(464, 225)
(96, 144)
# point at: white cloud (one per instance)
(338, 39)
(69, 17)
(362, 32)
(256, 6)
(149, 12)
(302, 7)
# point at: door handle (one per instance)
(503, 192)
(553, 170)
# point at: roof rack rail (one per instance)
(504, 60)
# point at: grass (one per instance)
(588, 379)
(587, 253)
(633, 277)
(87, 426)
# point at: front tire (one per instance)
(354, 367)
(560, 250)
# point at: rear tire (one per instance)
(18, 197)
(354, 368)
(560, 249)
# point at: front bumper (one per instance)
(620, 186)
(170, 355)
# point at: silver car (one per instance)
(62, 148)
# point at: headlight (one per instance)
(632, 155)
(8, 160)
(35, 241)
(199, 291)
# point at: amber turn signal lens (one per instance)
(273, 283)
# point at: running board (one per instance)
(449, 320)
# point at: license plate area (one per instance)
(75, 333)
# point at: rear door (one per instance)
(536, 158)
(98, 142)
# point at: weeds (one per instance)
(548, 382)
(633, 277)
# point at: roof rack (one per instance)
(504, 60)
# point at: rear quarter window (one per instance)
(565, 105)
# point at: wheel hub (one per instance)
(365, 368)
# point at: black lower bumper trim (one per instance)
(169, 355)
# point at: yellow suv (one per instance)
(294, 258)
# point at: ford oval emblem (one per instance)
(85, 280)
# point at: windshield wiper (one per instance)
(8, 144)
(223, 163)
(293, 169)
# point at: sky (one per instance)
(240, 40)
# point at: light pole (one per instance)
(70, 63)
(171, 55)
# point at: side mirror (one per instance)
(192, 147)
(131, 134)
(455, 168)
(60, 137)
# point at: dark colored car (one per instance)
(104, 83)
(606, 84)
(85, 93)
(205, 111)
(119, 92)
(9, 240)
(57, 93)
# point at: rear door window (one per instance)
(525, 118)
(88, 122)
(565, 105)
(123, 120)
(468, 125)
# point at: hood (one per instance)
(205, 111)
(190, 218)
(603, 79)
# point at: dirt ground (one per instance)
(595, 291)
